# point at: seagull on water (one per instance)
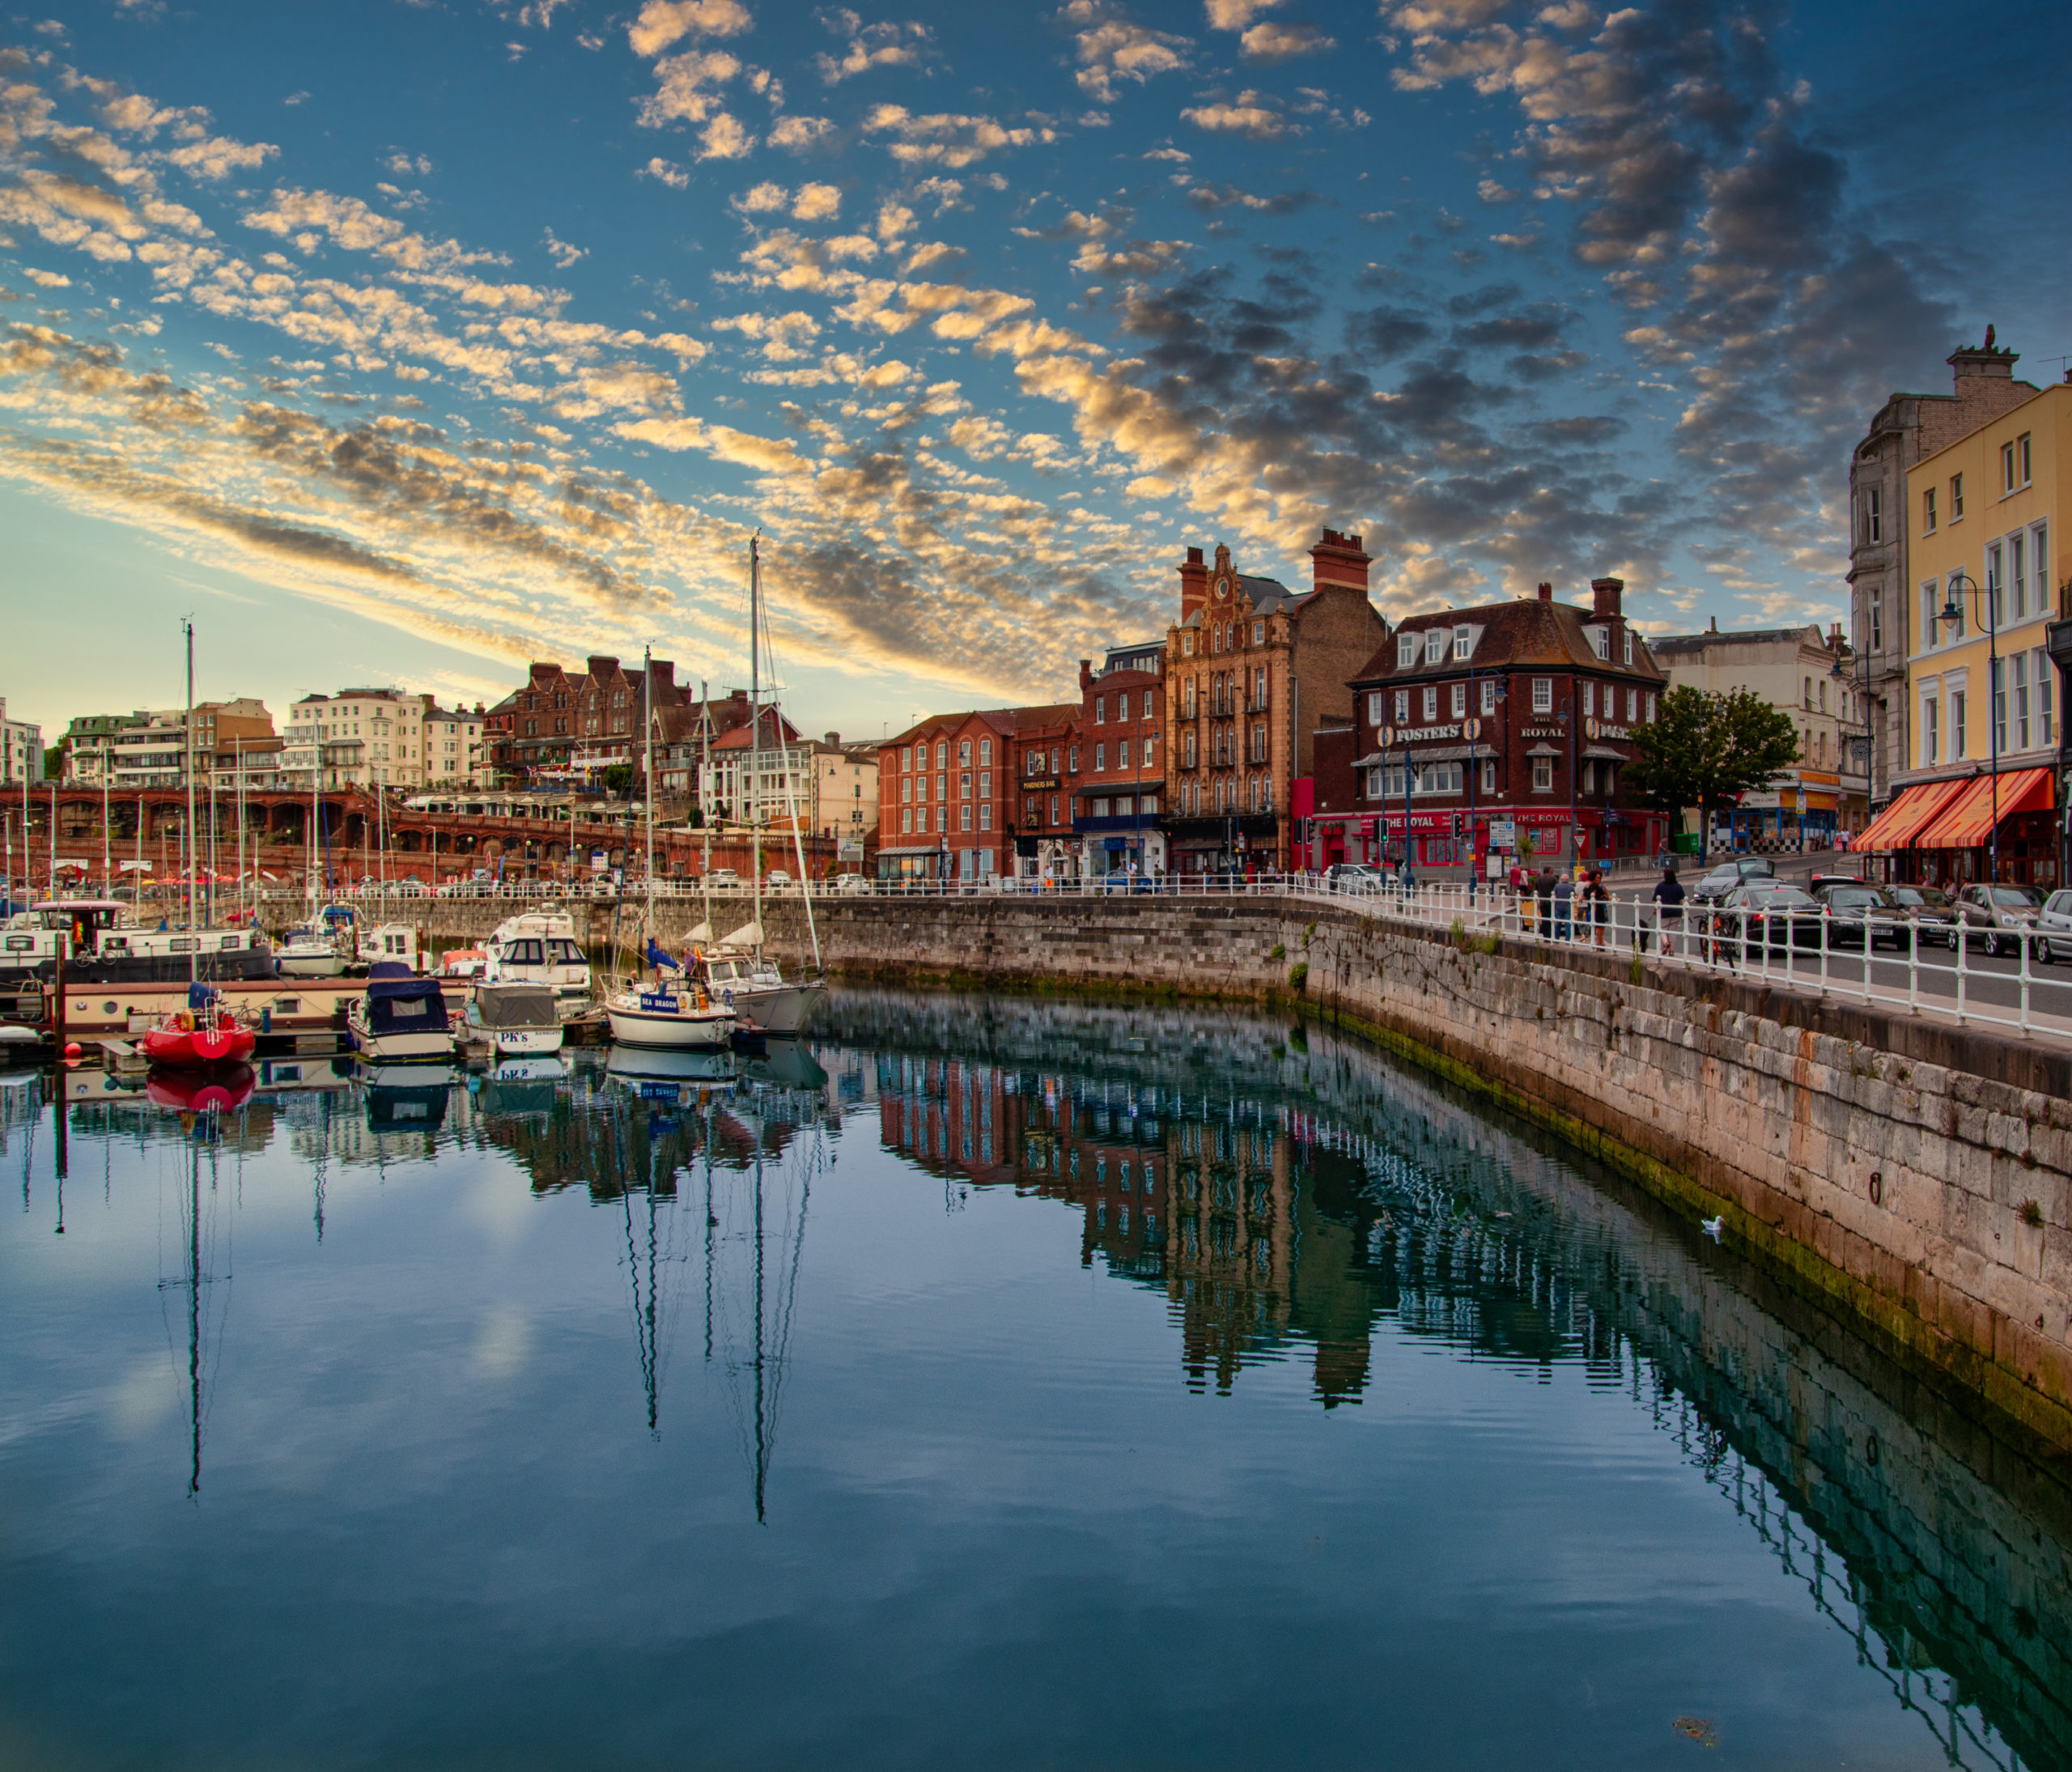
(1712, 1227)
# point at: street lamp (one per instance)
(1953, 614)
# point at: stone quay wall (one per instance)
(1917, 1173)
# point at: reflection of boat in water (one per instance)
(195, 1091)
(407, 1098)
(548, 1067)
(662, 1064)
(785, 1065)
(520, 1088)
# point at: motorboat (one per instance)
(203, 1034)
(400, 1017)
(309, 953)
(539, 946)
(736, 971)
(672, 1015)
(389, 944)
(463, 963)
(102, 943)
(521, 1020)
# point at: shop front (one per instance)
(1249, 843)
(2010, 818)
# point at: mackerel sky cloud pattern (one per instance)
(980, 320)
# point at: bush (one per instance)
(1278, 951)
(1298, 976)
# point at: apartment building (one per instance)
(374, 737)
(21, 749)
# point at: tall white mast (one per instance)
(192, 973)
(755, 723)
(648, 786)
(705, 801)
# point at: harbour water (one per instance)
(1005, 1383)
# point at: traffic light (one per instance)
(1458, 826)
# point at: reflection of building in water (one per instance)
(1216, 1204)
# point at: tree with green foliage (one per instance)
(1705, 748)
(618, 778)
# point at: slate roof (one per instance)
(1523, 633)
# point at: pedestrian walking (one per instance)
(1668, 896)
(1598, 896)
(1565, 898)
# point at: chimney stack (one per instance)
(1194, 584)
(1546, 593)
(1606, 593)
(1988, 361)
(834, 741)
(1339, 559)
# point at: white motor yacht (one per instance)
(539, 947)
(309, 953)
(514, 1019)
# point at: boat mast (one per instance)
(755, 725)
(647, 785)
(705, 801)
(189, 626)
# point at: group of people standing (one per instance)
(1572, 904)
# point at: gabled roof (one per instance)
(1527, 632)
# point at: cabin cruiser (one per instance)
(539, 947)
(392, 944)
(103, 944)
(307, 953)
(400, 1017)
(736, 972)
(514, 1019)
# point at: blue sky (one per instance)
(402, 343)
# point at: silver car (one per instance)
(2054, 925)
(1998, 917)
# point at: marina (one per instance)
(951, 1344)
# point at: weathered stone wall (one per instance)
(1918, 1173)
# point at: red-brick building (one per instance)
(1514, 718)
(1252, 668)
(951, 792)
(1046, 776)
(560, 719)
(1119, 798)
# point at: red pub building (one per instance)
(1485, 734)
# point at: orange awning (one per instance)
(1969, 820)
(1894, 828)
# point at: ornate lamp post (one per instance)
(1953, 613)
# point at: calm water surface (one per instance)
(1001, 1384)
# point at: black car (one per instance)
(1860, 915)
(1774, 915)
(1743, 870)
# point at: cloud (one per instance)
(723, 138)
(1213, 197)
(867, 46)
(661, 22)
(1252, 114)
(944, 139)
(1270, 43)
(818, 203)
(1109, 46)
(798, 135)
(1235, 14)
(46, 279)
(562, 254)
(666, 173)
(688, 86)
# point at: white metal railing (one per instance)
(2024, 992)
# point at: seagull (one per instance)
(1712, 1227)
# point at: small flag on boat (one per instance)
(656, 956)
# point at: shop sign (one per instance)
(1393, 736)
(1604, 729)
(1549, 817)
(1039, 783)
(1543, 732)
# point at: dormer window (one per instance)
(1629, 648)
(1406, 651)
(1600, 640)
(1463, 644)
(1435, 645)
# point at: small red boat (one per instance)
(203, 1033)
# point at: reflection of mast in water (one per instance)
(201, 1128)
(770, 1334)
(651, 1322)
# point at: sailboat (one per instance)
(674, 1013)
(736, 969)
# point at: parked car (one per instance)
(1996, 917)
(852, 882)
(2054, 925)
(1774, 915)
(1820, 880)
(777, 880)
(1728, 875)
(1355, 877)
(723, 879)
(1930, 910)
(1861, 915)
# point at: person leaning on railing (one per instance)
(1668, 896)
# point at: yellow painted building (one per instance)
(1989, 511)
